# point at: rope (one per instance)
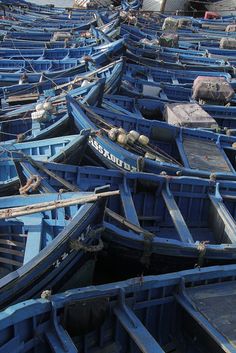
(202, 251)
(32, 184)
(136, 146)
(46, 294)
(79, 244)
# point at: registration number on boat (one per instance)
(111, 157)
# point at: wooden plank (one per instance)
(221, 213)
(22, 98)
(128, 205)
(12, 243)
(177, 217)
(128, 224)
(34, 239)
(10, 262)
(11, 251)
(60, 341)
(136, 330)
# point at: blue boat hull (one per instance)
(57, 263)
(151, 314)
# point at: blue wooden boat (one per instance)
(75, 46)
(25, 5)
(158, 75)
(172, 149)
(209, 49)
(173, 217)
(54, 122)
(136, 58)
(19, 94)
(37, 65)
(133, 5)
(187, 39)
(135, 33)
(37, 238)
(9, 78)
(76, 28)
(181, 311)
(184, 59)
(44, 36)
(165, 92)
(53, 25)
(191, 32)
(98, 34)
(142, 75)
(52, 54)
(55, 96)
(153, 109)
(47, 85)
(51, 65)
(68, 149)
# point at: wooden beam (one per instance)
(177, 218)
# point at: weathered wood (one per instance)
(65, 183)
(11, 251)
(10, 262)
(128, 224)
(205, 155)
(177, 218)
(12, 243)
(52, 205)
(22, 98)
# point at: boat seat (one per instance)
(150, 218)
(176, 216)
(214, 304)
(136, 330)
(33, 224)
(222, 221)
(60, 341)
(128, 205)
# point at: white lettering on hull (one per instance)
(111, 157)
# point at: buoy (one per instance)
(135, 134)
(47, 106)
(39, 115)
(112, 134)
(122, 139)
(39, 107)
(144, 140)
(121, 130)
(131, 138)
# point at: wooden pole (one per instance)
(52, 205)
